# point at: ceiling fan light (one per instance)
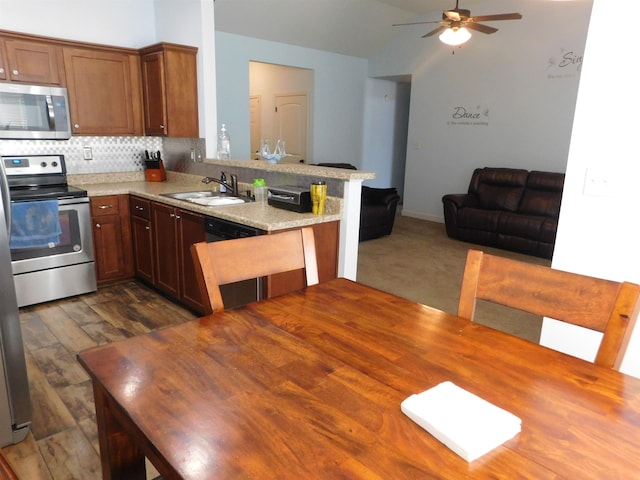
(455, 36)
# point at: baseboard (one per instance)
(422, 216)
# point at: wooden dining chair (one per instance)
(229, 261)
(602, 305)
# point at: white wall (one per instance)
(599, 233)
(120, 23)
(512, 79)
(338, 101)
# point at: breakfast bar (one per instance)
(309, 385)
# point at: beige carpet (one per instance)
(419, 262)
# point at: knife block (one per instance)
(156, 174)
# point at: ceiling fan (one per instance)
(455, 24)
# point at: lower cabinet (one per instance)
(327, 239)
(162, 238)
(142, 236)
(112, 237)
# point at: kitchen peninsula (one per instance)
(343, 204)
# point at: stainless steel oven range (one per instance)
(51, 243)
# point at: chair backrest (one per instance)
(219, 263)
(597, 304)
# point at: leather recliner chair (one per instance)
(378, 207)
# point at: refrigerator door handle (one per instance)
(6, 199)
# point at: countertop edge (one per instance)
(256, 215)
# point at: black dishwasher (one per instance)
(238, 293)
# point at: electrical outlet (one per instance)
(87, 153)
(599, 182)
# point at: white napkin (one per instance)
(464, 422)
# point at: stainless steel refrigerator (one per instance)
(15, 403)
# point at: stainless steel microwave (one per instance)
(34, 112)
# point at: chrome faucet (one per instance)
(232, 189)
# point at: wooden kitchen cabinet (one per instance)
(142, 236)
(191, 230)
(27, 60)
(104, 91)
(327, 239)
(112, 237)
(170, 90)
(174, 231)
(3, 68)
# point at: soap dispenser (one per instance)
(224, 144)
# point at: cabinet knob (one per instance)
(177, 217)
(1, 70)
(139, 208)
(103, 207)
(98, 225)
(147, 227)
(75, 125)
(15, 72)
(162, 127)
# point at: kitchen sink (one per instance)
(188, 195)
(208, 198)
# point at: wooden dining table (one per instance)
(309, 385)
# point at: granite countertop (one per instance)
(295, 168)
(253, 214)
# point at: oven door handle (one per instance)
(6, 198)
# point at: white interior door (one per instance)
(255, 123)
(290, 124)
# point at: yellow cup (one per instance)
(318, 197)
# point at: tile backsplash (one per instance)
(109, 154)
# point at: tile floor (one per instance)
(63, 443)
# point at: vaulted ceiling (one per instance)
(350, 27)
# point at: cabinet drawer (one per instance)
(105, 205)
(140, 207)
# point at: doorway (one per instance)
(281, 106)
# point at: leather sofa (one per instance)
(378, 207)
(507, 208)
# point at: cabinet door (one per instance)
(167, 251)
(3, 55)
(142, 233)
(107, 238)
(111, 237)
(170, 90)
(104, 92)
(33, 62)
(191, 231)
(155, 111)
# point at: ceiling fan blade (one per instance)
(481, 28)
(437, 30)
(414, 23)
(493, 18)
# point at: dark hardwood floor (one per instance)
(63, 443)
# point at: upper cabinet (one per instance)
(104, 91)
(112, 90)
(30, 61)
(170, 90)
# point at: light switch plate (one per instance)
(87, 153)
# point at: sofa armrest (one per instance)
(459, 200)
(380, 196)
